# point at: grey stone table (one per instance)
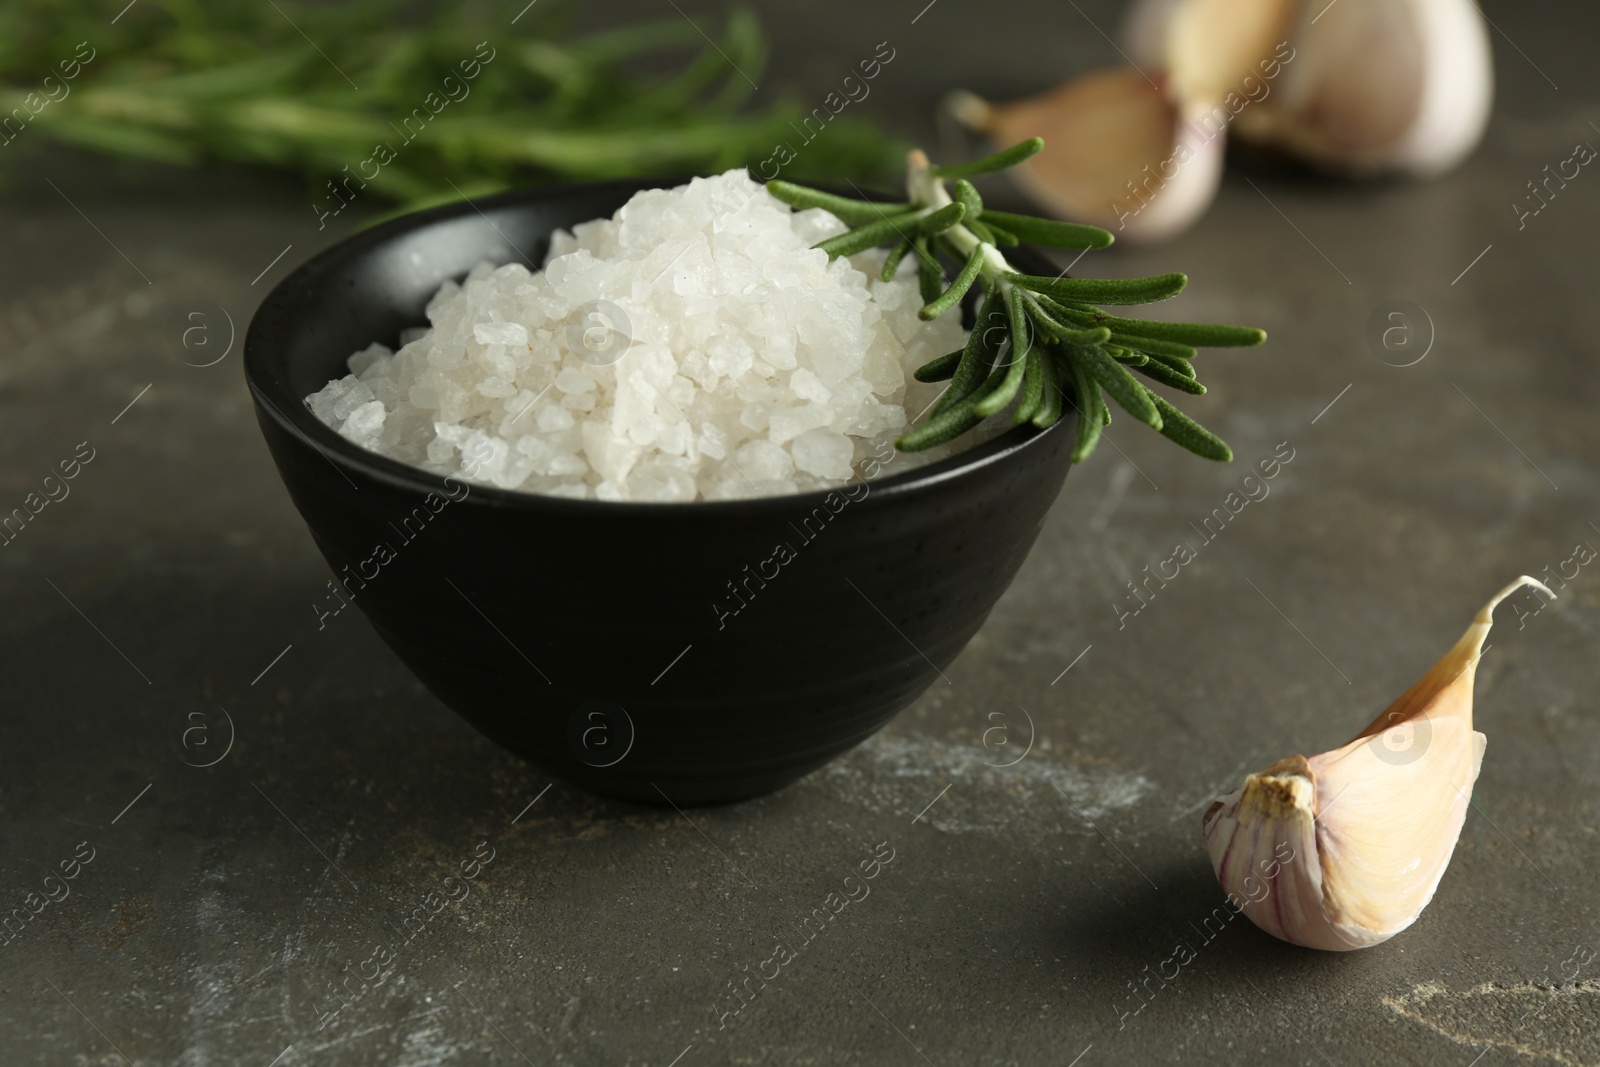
(235, 913)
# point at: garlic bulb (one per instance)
(1213, 46)
(1382, 86)
(1343, 850)
(1144, 32)
(1356, 86)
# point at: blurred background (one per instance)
(165, 163)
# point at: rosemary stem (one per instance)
(925, 188)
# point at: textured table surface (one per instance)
(228, 912)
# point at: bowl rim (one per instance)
(267, 388)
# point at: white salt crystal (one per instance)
(759, 460)
(673, 438)
(882, 369)
(365, 421)
(730, 356)
(808, 386)
(323, 400)
(755, 416)
(578, 401)
(611, 456)
(573, 380)
(661, 483)
(440, 452)
(815, 224)
(500, 333)
(712, 439)
(824, 453)
(553, 417)
(500, 362)
(567, 464)
(445, 296)
(364, 359)
(788, 423)
(575, 490)
(355, 395)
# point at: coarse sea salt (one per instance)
(694, 346)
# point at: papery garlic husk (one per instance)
(1144, 32)
(1343, 850)
(1139, 150)
(1118, 153)
(1381, 86)
(1212, 48)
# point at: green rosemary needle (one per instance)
(1037, 342)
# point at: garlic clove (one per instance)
(1125, 158)
(1207, 47)
(1213, 46)
(1144, 32)
(1343, 850)
(1381, 86)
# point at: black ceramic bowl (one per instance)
(599, 640)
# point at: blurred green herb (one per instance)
(1037, 341)
(275, 83)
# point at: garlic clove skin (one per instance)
(1214, 46)
(1381, 86)
(1207, 47)
(1144, 32)
(1391, 828)
(1170, 196)
(1344, 850)
(1151, 170)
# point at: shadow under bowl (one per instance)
(679, 654)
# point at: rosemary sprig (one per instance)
(182, 81)
(1038, 342)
